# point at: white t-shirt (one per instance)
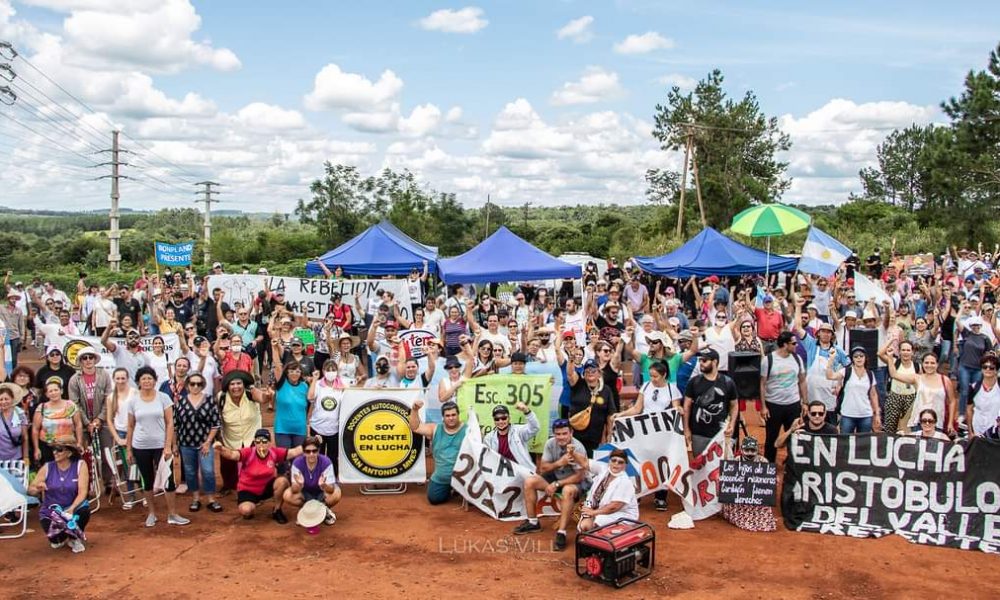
(576, 322)
(325, 418)
(150, 425)
(159, 364)
(857, 404)
(723, 343)
(121, 417)
(103, 311)
(209, 371)
(620, 489)
(416, 291)
(497, 339)
(658, 399)
(433, 320)
(986, 407)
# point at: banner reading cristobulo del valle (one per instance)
(376, 444)
(482, 394)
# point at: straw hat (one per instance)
(15, 390)
(311, 514)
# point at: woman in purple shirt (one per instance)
(63, 482)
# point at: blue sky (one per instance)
(484, 98)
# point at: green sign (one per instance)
(484, 393)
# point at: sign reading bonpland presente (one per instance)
(313, 296)
(928, 491)
(754, 483)
(377, 445)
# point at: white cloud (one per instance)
(577, 30)
(269, 116)
(423, 120)
(454, 114)
(595, 85)
(832, 143)
(334, 88)
(374, 122)
(684, 82)
(150, 35)
(641, 44)
(466, 20)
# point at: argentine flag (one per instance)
(822, 254)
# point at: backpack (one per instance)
(770, 362)
(847, 375)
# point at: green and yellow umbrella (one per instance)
(768, 220)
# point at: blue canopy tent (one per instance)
(382, 249)
(504, 257)
(711, 253)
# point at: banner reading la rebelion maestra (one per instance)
(928, 491)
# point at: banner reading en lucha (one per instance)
(928, 491)
(376, 444)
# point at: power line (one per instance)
(55, 103)
(36, 132)
(62, 130)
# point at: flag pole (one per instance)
(156, 263)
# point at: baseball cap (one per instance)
(500, 410)
(851, 314)
(262, 433)
(262, 271)
(708, 353)
(768, 298)
(392, 324)
(520, 357)
(568, 334)
(685, 336)
(590, 364)
(58, 350)
(974, 322)
(825, 327)
(216, 265)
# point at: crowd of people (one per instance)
(823, 360)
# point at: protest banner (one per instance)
(919, 264)
(376, 444)
(415, 341)
(928, 491)
(702, 501)
(656, 448)
(72, 344)
(310, 295)
(173, 255)
(484, 393)
(753, 483)
(492, 483)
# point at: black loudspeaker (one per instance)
(867, 339)
(744, 368)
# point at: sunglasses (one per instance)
(452, 368)
(501, 419)
(928, 421)
(87, 357)
(262, 441)
(989, 367)
(603, 350)
(817, 414)
(196, 384)
(651, 342)
(60, 449)
(312, 451)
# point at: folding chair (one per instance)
(129, 492)
(15, 529)
(92, 456)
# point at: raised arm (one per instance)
(424, 429)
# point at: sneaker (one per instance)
(77, 546)
(57, 545)
(177, 520)
(181, 489)
(660, 505)
(150, 520)
(331, 517)
(527, 527)
(560, 544)
(279, 516)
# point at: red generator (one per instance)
(617, 554)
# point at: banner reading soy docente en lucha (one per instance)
(376, 444)
(485, 393)
(490, 482)
(928, 491)
(310, 295)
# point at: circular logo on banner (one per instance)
(378, 441)
(70, 351)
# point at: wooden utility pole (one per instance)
(684, 177)
(697, 184)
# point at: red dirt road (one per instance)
(384, 546)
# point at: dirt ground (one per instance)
(382, 546)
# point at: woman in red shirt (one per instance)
(259, 479)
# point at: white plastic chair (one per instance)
(16, 529)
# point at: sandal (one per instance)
(215, 507)
(195, 506)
